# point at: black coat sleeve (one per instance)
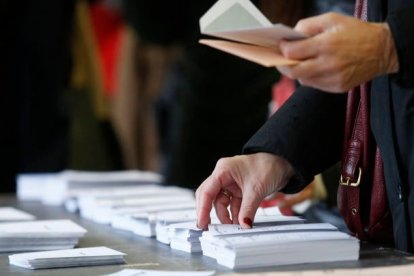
(307, 131)
(401, 24)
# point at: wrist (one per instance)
(390, 57)
(285, 171)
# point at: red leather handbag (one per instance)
(362, 196)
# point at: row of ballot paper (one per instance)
(168, 214)
(39, 235)
(20, 232)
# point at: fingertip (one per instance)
(248, 222)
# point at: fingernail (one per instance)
(248, 222)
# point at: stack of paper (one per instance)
(61, 186)
(31, 186)
(68, 258)
(143, 223)
(184, 236)
(101, 208)
(145, 272)
(262, 224)
(13, 214)
(165, 219)
(104, 211)
(236, 248)
(39, 235)
(257, 38)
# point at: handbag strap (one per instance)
(356, 149)
(354, 165)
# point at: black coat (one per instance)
(308, 129)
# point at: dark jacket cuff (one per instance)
(307, 131)
(401, 25)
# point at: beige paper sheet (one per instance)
(262, 55)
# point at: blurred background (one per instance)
(123, 84)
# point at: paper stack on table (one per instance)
(253, 36)
(262, 224)
(184, 236)
(143, 223)
(146, 272)
(103, 209)
(13, 214)
(68, 258)
(236, 248)
(39, 235)
(58, 187)
(165, 219)
(106, 210)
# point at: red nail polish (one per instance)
(248, 222)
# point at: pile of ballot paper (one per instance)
(39, 235)
(185, 236)
(164, 219)
(68, 258)
(146, 272)
(260, 246)
(56, 188)
(8, 214)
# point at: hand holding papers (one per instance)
(68, 258)
(254, 37)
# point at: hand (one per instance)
(246, 180)
(341, 53)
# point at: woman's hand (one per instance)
(240, 182)
(341, 52)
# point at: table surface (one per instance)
(146, 253)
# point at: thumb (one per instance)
(250, 203)
(315, 25)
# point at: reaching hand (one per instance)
(341, 53)
(240, 182)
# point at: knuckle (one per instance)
(301, 24)
(305, 82)
(258, 189)
(222, 164)
(331, 16)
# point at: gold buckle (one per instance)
(348, 182)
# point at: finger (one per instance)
(300, 49)
(325, 83)
(235, 209)
(220, 204)
(205, 195)
(308, 69)
(250, 203)
(314, 25)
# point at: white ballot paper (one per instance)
(68, 258)
(184, 236)
(282, 248)
(39, 235)
(253, 36)
(145, 272)
(13, 214)
(235, 229)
